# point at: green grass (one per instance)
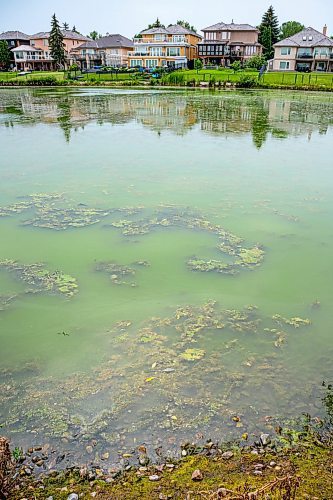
(59, 75)
(271, 78)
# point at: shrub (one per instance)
(247, 81)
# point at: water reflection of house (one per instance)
(299, 118)
(258, 115)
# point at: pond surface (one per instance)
(165, 265)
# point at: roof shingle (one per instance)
(308, 37)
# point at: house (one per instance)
(225, 43)
(29, 58)
(14, 39)
(41, 41)
(308, 50)
(174, 46)
(110, 50)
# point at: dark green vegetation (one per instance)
(4, 54)
(56, 43)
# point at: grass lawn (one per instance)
(271, 78)
(59, 75)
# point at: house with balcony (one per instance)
(308, 50)
(225, 43)
(29, 58)
(14, 39)
(110, 50)
(174, 46)
(41, 41)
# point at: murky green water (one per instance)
(184, 171)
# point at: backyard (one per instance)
(322, 81)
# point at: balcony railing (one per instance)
(164, 40)
(304, 55)
(323, 56)
(34, 58)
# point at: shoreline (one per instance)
(155, 86)
(304, 471)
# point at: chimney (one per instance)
(325, 30)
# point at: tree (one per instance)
(198, 65)
(75, 30)
(186, 25)
(256, 62)
(269, 32)
(4, 54)
(94, 35)
(236, 66)
(56, 43)
(65, 26)
(266, 40)
(156, 24)
(290, 28)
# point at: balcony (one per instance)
(322, 57)
(33, 58)
(169, 41)
(304, 55)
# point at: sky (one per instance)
(128, 17)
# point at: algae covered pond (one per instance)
(165, 266)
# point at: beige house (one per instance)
(174, 46)
(225, 43)
(110, 50)
(308, 50)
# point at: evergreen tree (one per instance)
(4, 54)
(75, 30)
(269, 32)
(65, 26)
(266, 41)
(156, 24)
(56, 43)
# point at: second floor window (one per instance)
(173, 51)
(285, 51)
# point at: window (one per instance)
(211, 35)
(284, 64)
(32, 42)
(158, 37)
(172, 51)
(151, 63)
(156, 51)
(285, 51)
(136, 62)
(12, 43)
(178, 38)
(250, 50)
(45, 42)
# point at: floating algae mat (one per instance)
(41, 279)
(165, 266)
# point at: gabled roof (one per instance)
(26, 48)
(174, 29)
(106, 42)
(230, 27)
(308, 37)
(71, 35)
(14, 35)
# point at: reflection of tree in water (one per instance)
(224, 114)
(64, 118)
(259, 123)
